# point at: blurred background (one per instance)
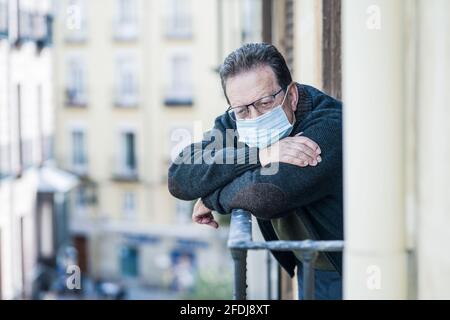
(95, 93)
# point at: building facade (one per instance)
(135, 81)
(33, 192)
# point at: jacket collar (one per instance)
(304, 105)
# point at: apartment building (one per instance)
(33, 192)
(135, 80)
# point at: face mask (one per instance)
(265, 130)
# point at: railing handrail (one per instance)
(240, 241)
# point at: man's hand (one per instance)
(298, 150)
(203, 215)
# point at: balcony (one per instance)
(80, 169)
(240, 241)
(3, 20)
(43, 30)
(125, 173)
(76, 36)
(126, 101)
(125, 32)
(179, 97)
(75, 98)
(35, 27)
(4, 34)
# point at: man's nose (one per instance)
(254, 113)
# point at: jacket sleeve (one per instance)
(269, 196)
(201, 168)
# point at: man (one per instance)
(284, 165)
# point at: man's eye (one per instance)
(241, 111)
(264, 105)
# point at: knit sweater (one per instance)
(312, 195)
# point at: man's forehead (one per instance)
(246, 87)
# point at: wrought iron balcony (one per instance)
(240, 241)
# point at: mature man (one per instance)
(284, 164)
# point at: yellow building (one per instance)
(133, 78)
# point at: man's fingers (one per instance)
(304, 158)
(199, 217)
(294, 161)
(304, 149)
(314, 146)
(206, 219)
(199, 211)
(213, 224)
(209, 221)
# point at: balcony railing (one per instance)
(126, 101)
(125, 31)
(35, 27)
(122, 172)
(75, 98)
(240, 241)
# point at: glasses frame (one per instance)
(247, 106)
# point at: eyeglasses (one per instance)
(262, 105)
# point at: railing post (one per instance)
(240, 274)
(240, 241)
(240, 237)
(309, 258)
(269, 275)
(279, 283)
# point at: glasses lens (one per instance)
(265, 104)
(239, 113)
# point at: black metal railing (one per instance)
(240, 241)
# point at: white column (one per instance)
(375, 254)
(433, 149)
(308, 42)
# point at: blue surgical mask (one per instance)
(265, 130)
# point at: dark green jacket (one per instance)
(312, 195)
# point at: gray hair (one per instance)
(251, 56)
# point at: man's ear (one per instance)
(293, 97)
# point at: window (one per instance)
(76, 90)
(179, 19)
(25, 23)
(3, 18)
(129, 205)
(76, 21)
(26, 127)
(179, 91)
(81, 201)
(4, 160)
(20, 148)
(127, 11)
(129, 261)
(46, 230)
(127, 82)
(126, 23)
(127, 162)
(79, 155)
